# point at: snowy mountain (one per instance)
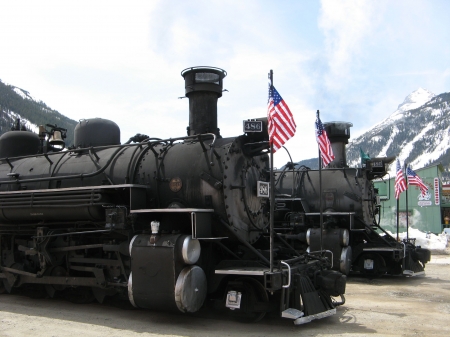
(413, 101)
(17, 103)
(418, 132)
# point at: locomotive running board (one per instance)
(299, 318)
(251, 271)
(410, 273)
(307, 319)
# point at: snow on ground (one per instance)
(426, 240)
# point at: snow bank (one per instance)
(426, 240)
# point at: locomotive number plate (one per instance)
(253, 126)
(263, 189)
(368, 264)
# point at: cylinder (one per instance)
(190, 250)
(345, 262)
(335, 240)
(163, 274)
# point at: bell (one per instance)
(56, 141)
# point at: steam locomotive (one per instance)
(166, 224)
(350, 209)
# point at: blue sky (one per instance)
(355, 61)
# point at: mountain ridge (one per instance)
(417, 132)
(419, 137)
(17, 103)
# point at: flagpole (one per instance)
(398, 215)
(272, 190)
(320, 192)
(407, 213)
(399, 187)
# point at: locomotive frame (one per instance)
(166, 224)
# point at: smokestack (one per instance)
(339, 134)
(203, 87)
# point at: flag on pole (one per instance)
(324, 143)
(281, 124)
(364, 157)
(400, 183)
(414, 179)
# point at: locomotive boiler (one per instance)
(349, 205)
(167, 224)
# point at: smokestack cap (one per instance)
(338, 131)
(203, 79)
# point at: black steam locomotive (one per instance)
(350, 231)
(167, 224)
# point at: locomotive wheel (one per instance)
(7, 283)
(100, 294)
(53, 289)
(255, 293)
(2, 288)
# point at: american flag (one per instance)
(414, 179)
(324, 143)
(400, 183)
(281, 123)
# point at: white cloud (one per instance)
(90, 33)
(346, 25)
(123, 61)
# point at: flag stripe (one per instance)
(414, 179)
(278, 117)
(400, 183)
(281, 124)
(326, 151)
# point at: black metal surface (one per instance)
(156, 268)
(80, 219)
(96, 132)
(203, 88)
(18, 143)
(69, 205)
(349, 202)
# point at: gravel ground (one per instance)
(388, 306)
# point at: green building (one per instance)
(425, 213)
